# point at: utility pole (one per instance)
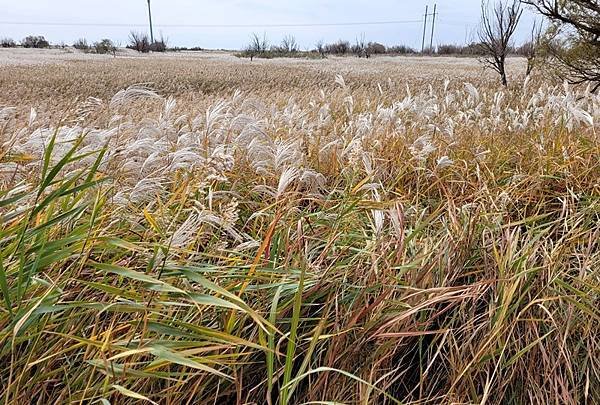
(424, 28)
(150, 18)
(432, 27)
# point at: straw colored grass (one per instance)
(184, 231)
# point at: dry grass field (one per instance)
(202, 229)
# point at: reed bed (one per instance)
(291, 239)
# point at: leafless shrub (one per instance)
(375, 48)
(320, 48)
(289, 44)
(360, 48)
(139, 42)
(105, 46)
(460, 50)
(400, 50)
(159, 45)
(338, 48)
(82, 45)
(257, 45)
(33, 41)
(7, 43)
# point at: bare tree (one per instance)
(583, 15)
(577, 42)
(338, 48)
(361, 47)
(139, 41)
(498, 25)
(257, 45)
(289, 44)
(320, 47)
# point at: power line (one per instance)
(67, 24)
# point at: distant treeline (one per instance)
(260, 47)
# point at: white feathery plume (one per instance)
(146, 190)
(378, 215)
(32, 117)
(249, 245)
(444, 162)
(132, 93)
(287, 177)
(473, 93)
(168, 108)
(339, 80)
(7, 113)
(313, 180)
(422, 147)
(186, 232)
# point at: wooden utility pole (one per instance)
(150, 18)
(433, 27)
(425, 28)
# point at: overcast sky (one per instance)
(455, 24)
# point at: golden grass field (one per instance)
(202, 229)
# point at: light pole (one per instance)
(150, 18)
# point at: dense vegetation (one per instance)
(314, 237)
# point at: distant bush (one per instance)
(338, 48)
(287, 49)
(362, 48)
(400, 50)
(7, 43)
(35, 42)
(472, 49)
(106, 46)
(159, 45)
(82, 45)
(449, 49)
(375, 48)
(258, 47)
(185, 48)
(289, 45)
(139, 42)
(320, 48)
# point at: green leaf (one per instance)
(4, 287)
(136, 275)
